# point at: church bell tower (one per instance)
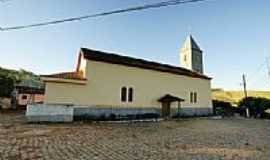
(191, 55)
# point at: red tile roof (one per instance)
(127, 61)
(67, 75)
(139, 63)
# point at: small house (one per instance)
(28, 92)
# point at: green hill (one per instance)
(10, 78)
(235, 96)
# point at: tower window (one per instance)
(124, 94)
(130, 94)
(185, 57)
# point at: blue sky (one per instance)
(234, 35)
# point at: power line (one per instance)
(131, 9)
(259, 68)
(3, 1)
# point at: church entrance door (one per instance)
(166, 109)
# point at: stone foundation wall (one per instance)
(64, 113)
(192, 112)
(107, 112)
(115, 113)
(49, 113)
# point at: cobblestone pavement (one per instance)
(194, 139)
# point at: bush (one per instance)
(223, 108)
(257, 106)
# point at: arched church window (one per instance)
(195, 97)
(123, 94)
(191, 97)
(130, 94)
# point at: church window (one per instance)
(130, 94)
(191, 97)
(195, 97)
(124, 94)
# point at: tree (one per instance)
(6, 86)
(257, 105)
(10, 78)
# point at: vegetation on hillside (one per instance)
(10, 78)
(235, 96)
(258, 102)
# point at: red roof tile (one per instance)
(67, 75)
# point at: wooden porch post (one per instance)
(179, 108)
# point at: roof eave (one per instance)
(62, 80)
(95, 58)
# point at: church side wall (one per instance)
(104, 83)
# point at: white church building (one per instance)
(112, 85)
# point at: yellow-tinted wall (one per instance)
(104, 83)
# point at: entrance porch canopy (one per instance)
(170, 98)
(166, 104)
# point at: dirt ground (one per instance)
(189, 139)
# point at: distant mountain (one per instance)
(10, 78)
(235, 96)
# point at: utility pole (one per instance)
(245, 93)
(268, 65)
(245, 86)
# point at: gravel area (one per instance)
(189, 139)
